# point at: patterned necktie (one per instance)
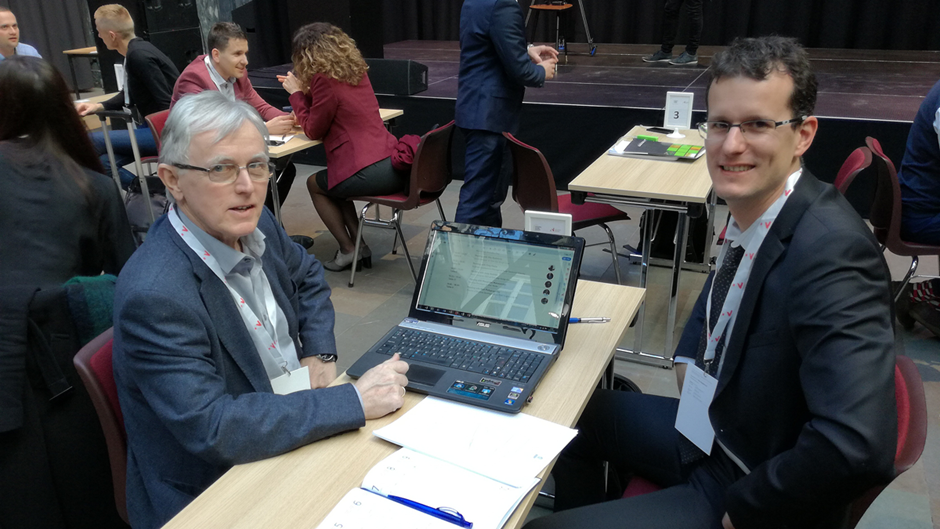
(720, 288)
(688, 452)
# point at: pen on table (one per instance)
(450, 515)
(589, 320)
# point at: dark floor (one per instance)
(853, 84)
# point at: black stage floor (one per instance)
(853, 84)
(577, 116)
(593, 100)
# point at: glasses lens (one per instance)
(260, 170)
(223, 173)
(703, 129)
(758, 126)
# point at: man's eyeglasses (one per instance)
(753, 128)
(226, 173)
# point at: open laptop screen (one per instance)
(507, 280)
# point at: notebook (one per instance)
(488, 317)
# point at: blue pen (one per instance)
(448, 515)
(589, 320)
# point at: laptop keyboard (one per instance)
(468, 355)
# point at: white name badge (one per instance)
(296, 380)
(692, 421)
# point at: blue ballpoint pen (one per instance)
(451, 516)
(589, 320)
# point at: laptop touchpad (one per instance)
(423, 375)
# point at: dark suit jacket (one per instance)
(195, 396)
(805, 397)
(150, 78)
(494, 66)
(195, 78)
(347, 119)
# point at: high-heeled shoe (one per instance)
(343, 261)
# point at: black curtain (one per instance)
(53, 26)
(860, 24)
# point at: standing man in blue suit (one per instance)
(223, 327)
(495, 68)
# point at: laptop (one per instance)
(489, 314)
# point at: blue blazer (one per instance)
(494, 66)
(195, 397)
(805, 395)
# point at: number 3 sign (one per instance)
(678, 110)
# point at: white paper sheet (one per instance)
(511, 449)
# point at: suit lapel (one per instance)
(228, 323)
(806, 191)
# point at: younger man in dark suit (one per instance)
(495, 68)
(786, 365)
(148, 84)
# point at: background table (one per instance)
(91, 52)
(301, 142)
(654, 185)
(299, 488)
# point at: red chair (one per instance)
(885, 216)
(93, 363)
(857, 162)
(156, 122)
(912, 436)
(912, 430)
(430, 174)
(533, 188)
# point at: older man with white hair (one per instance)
(223, 327)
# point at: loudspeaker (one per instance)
(397, 76)
(180, 45)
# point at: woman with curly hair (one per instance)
(333, 101)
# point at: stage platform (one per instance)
(594, 100)
(853, 84)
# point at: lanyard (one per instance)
(268, 348)
(751, 240)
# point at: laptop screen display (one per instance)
(496, 279)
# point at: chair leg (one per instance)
(440, 209)
(613, 252)
(396, 220)
(396, 214)
(907, 278)
(352, 269)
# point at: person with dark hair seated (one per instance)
(61, 217)
(333, 100)
(225, 69)
(786, 366)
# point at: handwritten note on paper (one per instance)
(511, 449)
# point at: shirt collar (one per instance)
(228, 258)
(216, 76)
(734, 235)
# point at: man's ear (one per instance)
(215, 54)
(171, 179)
(807, 132)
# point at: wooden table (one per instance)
(91, 120)
(298, 489)
(90, 51)
(301, 142)
(655, 185)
